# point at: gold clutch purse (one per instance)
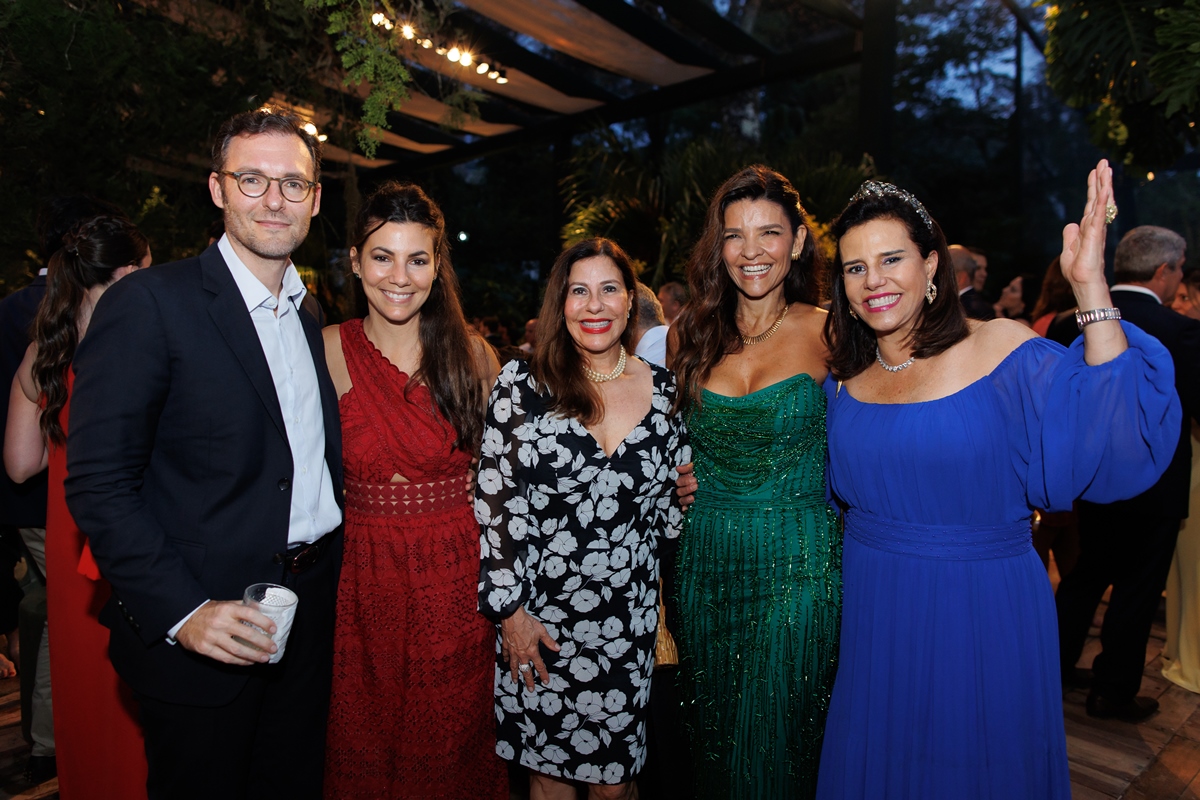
(666, 654)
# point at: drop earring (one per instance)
(930, 293)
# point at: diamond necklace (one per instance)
(598, 377)
(769, 332)
(890, 367)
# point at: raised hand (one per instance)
(1082, 263)
(1082, 258)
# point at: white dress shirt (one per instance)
(314, 510)
(653, 345)
(1133, 287)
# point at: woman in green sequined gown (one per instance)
(759, 565)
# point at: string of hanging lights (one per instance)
(453, 52)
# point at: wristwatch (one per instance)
(1085, 318)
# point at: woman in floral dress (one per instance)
(575, 491)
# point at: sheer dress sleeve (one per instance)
(1102, 433)
(669, 516)
(508, 532)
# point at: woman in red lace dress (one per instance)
(411, 710)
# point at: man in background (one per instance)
(967, 272)
(1129, 544)
(650, 335)
(672, 296)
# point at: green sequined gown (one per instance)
(759, 577)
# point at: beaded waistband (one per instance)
(728, 499)
(952, 542)
(400, 499)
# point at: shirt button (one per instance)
(284, 484)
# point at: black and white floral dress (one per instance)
(572, 535)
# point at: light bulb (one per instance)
(482, 68)
(378, 18)
(465, 59)
(407, 31)
(310, 129)
(494, 74)
(322, 137)
(503, 77)
(453, 54)
(427, 43)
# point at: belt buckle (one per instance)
(304, 558)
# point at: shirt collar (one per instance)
(254, 293)
(1133, 287)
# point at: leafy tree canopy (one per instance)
(1135, 65)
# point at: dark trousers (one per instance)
(268, 742)
(1132, 552)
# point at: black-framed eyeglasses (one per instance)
(255, 184)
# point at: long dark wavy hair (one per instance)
(556, 363)
(1056, 295)
(91, 252)
(449, 362)
(706, 330)
(942, 324)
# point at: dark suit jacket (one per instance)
(22, 505)
(1181, 336)
(179, 469)
(976, 305)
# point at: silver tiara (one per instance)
(878, 189)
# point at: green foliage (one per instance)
(368, 54)
(1134, 64)
(113, 99)
(614, 190)
(1177, 66)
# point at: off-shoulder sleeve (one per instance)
(501, 504)
(1101, 433)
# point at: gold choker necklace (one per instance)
(769, 332)
(597, 377)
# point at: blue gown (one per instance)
(948, 677)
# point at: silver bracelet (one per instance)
(1085, 318)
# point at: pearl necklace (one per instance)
(597, 377)
(890, 367)
(769, 332)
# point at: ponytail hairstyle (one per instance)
(449, 364)
(90, 255)
(556, 363)
(707, 328)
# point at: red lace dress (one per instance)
(413, 664)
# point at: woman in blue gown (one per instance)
(943, 433)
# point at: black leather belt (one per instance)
(299, 558)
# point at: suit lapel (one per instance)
(228, 312)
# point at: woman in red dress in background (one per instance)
(411, 709)
(98, 741)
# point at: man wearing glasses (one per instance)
(204, 455)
